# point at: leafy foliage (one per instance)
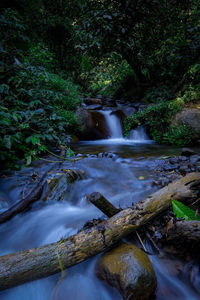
(158, 117)
(108, 76)
(108, 46)
(184, 212)
(158, 39)
(37, 108)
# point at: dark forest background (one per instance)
(52, 53)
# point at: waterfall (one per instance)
(116, 132)
(139, 135)
(109, 124)
(114, 125)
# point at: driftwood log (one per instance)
(17, 268)
(38, 192)
(21, 205)
(186, 230)
(103, 204)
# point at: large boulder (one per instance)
(128, 269)
(93, 124)
(91, 101)
(191, 118)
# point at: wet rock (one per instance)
(119, 103)
(173, 160)
(110, 102)
(184, 170)
(128, 111)
(90, 101)
(94, 106)
(59, 183)
(93, 124)
(137, 105)
(182, 158)
(120, 114)
(194, 159)
(168, 167)
(128, 269)
(191, 118)
(187, 152)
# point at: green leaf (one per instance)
(184, 212)
(70, 152)
(33, 139)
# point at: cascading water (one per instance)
(114, 124)
(118, 180)
(139, 135)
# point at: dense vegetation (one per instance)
(54, 51)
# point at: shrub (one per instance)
(157, 118)
(37, 109)
(178, 135)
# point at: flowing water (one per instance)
(113, 124)
(118, 178)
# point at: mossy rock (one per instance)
(191, 118)
(129, 270)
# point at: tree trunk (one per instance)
(17, 268)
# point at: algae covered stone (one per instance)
(128, 269)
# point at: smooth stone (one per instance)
(129, 270)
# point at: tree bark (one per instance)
(186, 230)
(17, 268)
(103, 204)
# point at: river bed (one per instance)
(122, 172)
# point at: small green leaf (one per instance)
(70, 152)
(183, 212)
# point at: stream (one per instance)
(121, 170)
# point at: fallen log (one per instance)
(103, 204)
(41, 191)
(186, 230)
(21, 205)
(20, 267)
